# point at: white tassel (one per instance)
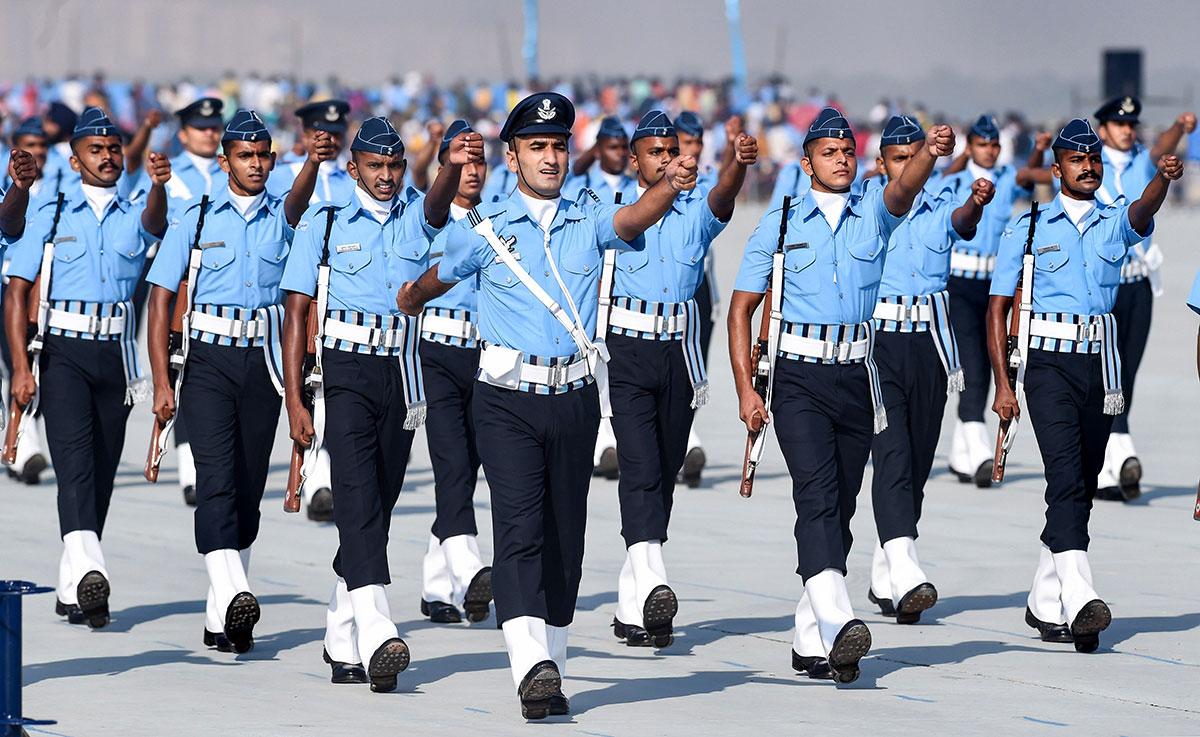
(1114, 403)
(700, 395)
(415, 416)
(955, 382)
(881, 422)
(138, 390)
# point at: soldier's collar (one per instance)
(517, 210)
(222, 199)
(807, 207)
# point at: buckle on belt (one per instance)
(94, 324)
(1092, 331)
(839, 351)
(241, 329)
(557, 376)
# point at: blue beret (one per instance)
(327, 115)
(654, 123)
(985, 128)
(203, 113)
(378, 136)
(1077, 136)
(29, 127)
(93, 122)
(63, 116)
(246, 126)
(541, 112)
(901, 130)
(829, 123)
(611, 127)
(689, 123)
(1122, 109)
(456, 127)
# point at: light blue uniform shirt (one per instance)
(594, 180)
(509, 314)
(830, 277)
(918, 255)
(707, 179)
(95, 260)
(670, 267)
(791, 180)
(1193, 300)
(336, 186)
(499, 185)
(368, 260)
(462, 296)
(241, 263)
(998, 212)
(1072, 273)
(187, 184)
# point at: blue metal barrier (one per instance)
(11, 720)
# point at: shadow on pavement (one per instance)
(619, 691)
(111, 665)
(123, 620)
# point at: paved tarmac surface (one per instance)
(971, 667)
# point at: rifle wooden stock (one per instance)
(291, 499)
(746, 488)
(10, 433)
(153, 457)
(1196, 512)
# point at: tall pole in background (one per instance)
(529, 49)
(737, 53)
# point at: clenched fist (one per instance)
(745, 149)
(940, 140)
(466, 148)
(733, 128)
(22, 169)
(322, 148)
(158, 167)
(1171, 167)
(1042, 141)
(982, 191)
(1188, 121)
(681, 173)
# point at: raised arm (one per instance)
(900, 192)
(1142, 211)
(729, 182)
(424, 157)
(296, 203)
(466, 148)
(958, 164)
(633, 220)
(154, 217)
(1031, 174)
(967, 215)
(135, 150)
(22, 170)
(1169, 139)
(584, 161)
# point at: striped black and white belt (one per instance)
(636, 318)
(836, 344)
(450, 327)
(925, 313)
(971, 264)
(1063, 332)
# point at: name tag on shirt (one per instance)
(65, 239)
(211, 244)
(1048, 249)
(793, 246)
(348, 247)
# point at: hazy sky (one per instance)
(955, 56)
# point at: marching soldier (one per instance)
(334, 183)
(601, 168)
(1072, 374)
(827, 395)
(543, 380)
(353, 255)
(231, 247)
(657, 374)
(971, 262)
(1130, 166)
(85, 374)
(918, 363)
(453, 572)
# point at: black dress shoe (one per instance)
(189, 495)
(478, 598)
(1091, 620)
(541, 684)
(1110, 494)
(439, 612)
(693, 465)
(983, 475)
(849, 647)
(886, 608)
(559, 705)
(658, 615)
(240, 617)
(344, 672)
(922, 597)
(320, 507)
(31, 472)
(93, 591)
(389, 659)
(217, 640)
(1048, 631)
(816, 667)
(608, 467)
(633, 635)
(1129, 478)
(72, 612)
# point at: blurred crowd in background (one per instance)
(775, 110)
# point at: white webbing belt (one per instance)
(640, 321)
(227, 328)
(960, 261)
(555, 376)
(595, 353)
(901, 313)
(365, 335)
(90, 324)
(1089, 331)
(826, 350)
(448, 326)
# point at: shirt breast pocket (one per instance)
(1112, 258)
(216, 259)
(690, 254)
(272, 256)
(68, 251)
(413, 249)
(582, 261)
(500, 276)
(349, 263)
(1048, 262)
(131, 258)
(633, 261)
(800, 273)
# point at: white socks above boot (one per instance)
(881, 580)
(605, 439)
(186, 465)
(1045, 596)
(807, 639)
(340, 633)
(81, 555)
(435, 574)
(693, 438)
(448, 568)
(1075, 576)
(556, 643)
(527, 642)
(372, 619)
(904, 569)
(226, 579)
(830, 603)
(644, 570)
(319, 478)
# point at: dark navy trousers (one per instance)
(538, 459)
(651, 396)
(83, 405)
(368, 455)
(824, 422)
(449, 373)
(231, 410)
(1133, 309)
(914, 391)
(1065, 397)
(968, 316)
